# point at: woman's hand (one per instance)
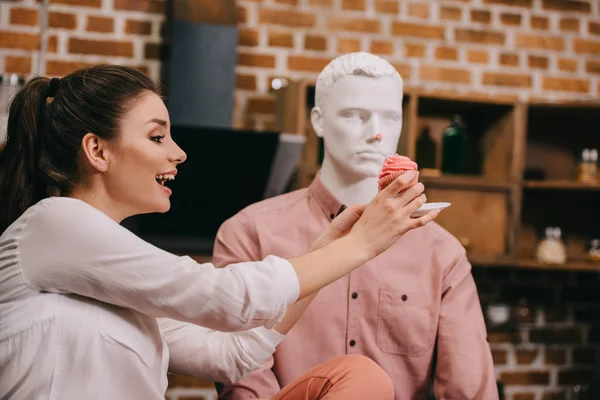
(340, 226)
(388, 216)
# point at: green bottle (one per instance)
(454, 148)
(426, 150)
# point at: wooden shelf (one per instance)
(560, 185)
(465, 182)
(570, 265)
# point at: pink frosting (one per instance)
(395, 163)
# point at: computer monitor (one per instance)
(225, 171)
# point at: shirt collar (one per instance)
(324, 198)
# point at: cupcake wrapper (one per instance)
(385, 181)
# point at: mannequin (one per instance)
(358, 113)
(411, 307)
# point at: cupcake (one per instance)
(394, 166)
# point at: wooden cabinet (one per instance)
(498, 207)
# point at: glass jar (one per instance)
(594, 250)
(551, 249)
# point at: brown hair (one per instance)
(46, 124)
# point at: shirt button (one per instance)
(354, 295)
(404, 297)
(352, 343)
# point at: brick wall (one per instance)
(525, 48)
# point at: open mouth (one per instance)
(163, 179)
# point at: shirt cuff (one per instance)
(290, 283)
(270, 336)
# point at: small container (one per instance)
(551, 249)
(594, 250)
(587, 170)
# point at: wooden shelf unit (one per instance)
(508, 138)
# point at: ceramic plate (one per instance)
(425, 208)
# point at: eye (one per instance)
(394, 116)
(158, 138)
(352, 114)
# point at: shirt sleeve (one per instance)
(216, 356)
(67, 246)
(237, 239)
(464, 369)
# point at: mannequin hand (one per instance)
(387, 217)
(340, 226)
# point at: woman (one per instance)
(81, 296)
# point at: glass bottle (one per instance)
(426, 150)
(454, 148)
(551, 249)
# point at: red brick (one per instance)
(538, 62)
(247, 37)
(19, 40)
(418, 30)
(80, 3)
(446, 53)
(569, 24)
(418, 10)
(557, 335)
(256, 60)
(403, 69)
(450, 13)
(24, 16)
(594, 28)
(354, 24)
(62, 68)
(482, 16)
(565, 64)
(387, 7)
(500, 357)
(566, 85)
(524, 396)
(592, 67)
(541, 23)
(479, 36)
(261, 105)
(17, 65)
(287, 18)
(454, 75)
(288, 2)
(101, 47)
(414, 50)
(315, 42)
(150, 6)
(555, 357)
(382, 47)
(52, 44)
(525, 378)
(358, 5)
(540, 42)
(516, 3)
(62, 20)
(346, 45)
(152, 51)
(244, 81)
(567, 5)
(510, 19)
(281, 39)
(242, 14)
(505, 79)
(136, 27)
(526, 356)
(100, 24)
(321, 3)
(309, 64)
(478, 56)
(584, 356)
(576, 375)
(586, 46)
(509, 59)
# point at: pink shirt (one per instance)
(391, 309)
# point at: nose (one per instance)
(177, 154)
(374, 128)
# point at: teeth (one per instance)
(161, 178)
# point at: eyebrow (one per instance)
(158, 121)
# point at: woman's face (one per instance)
(144, 160)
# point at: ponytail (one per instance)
(21, 181)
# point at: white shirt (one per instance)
(90, 311)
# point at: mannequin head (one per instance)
(358, 113)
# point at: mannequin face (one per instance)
(360, 123)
